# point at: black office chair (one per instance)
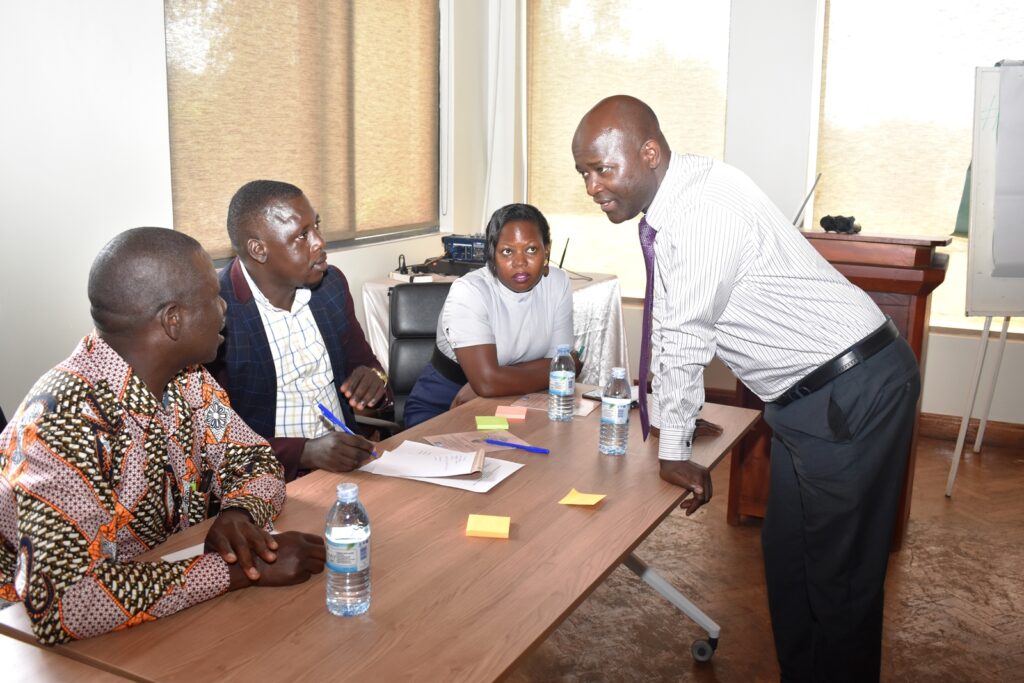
(414, 310)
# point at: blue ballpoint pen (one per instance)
(338, 423)
(508, 444)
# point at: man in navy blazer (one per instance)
(291, 338)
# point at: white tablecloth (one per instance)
(596, 322)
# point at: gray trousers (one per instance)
(837, 463)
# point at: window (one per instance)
(670, 54)
(339, 98)
(897, 118)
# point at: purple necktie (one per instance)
(647, 236)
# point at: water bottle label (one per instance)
(614, 410)
(348, 557)
(562, 383)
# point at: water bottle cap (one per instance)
(563, 349)
(619, 373)
(348, 492)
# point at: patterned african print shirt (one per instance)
(94, 470)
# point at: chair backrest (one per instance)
(414, 310)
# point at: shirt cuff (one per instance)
(675, 444)
(261, 511)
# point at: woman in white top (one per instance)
(500, 325)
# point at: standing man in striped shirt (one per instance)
(728, 274)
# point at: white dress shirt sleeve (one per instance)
(697, 264)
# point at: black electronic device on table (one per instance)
(462, 254)
(447, 266)
(465, 248)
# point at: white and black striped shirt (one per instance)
(732, 276)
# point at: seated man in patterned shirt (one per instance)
(128, 441)
(292, 339)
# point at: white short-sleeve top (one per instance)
(523, 326)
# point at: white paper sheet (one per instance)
(1008, 212)
(413, 459)
(495, 471)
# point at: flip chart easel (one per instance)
(973, 394)
(995, 257)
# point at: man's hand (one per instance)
(239, 540)
(363, 388)
(336, 452)
(465, 395)
(692, 477)
(299, 556)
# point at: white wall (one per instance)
(949, 372)
(772, 95)
(463, 132)
(83, 155)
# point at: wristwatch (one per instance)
(380, 373)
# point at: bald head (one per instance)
(622, 155)
(137, 273)
(628, 115)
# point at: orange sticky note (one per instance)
(488, 526)
(511, 412)
(576, 498)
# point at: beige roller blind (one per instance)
(896, 120)
(672, 55)
(339, 98)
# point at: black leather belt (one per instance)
(828, 371)
(448, 368)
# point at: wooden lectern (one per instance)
(899, 273)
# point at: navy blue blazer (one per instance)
(245, 366)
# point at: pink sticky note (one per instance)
(511, 412)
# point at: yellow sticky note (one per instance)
(511, 412)
(491, 422)
(577, 498)
(488, 526)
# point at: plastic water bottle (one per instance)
(562, 386)
(348, 554)
(615, 400)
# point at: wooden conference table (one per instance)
(445, 607)
(24, 663)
